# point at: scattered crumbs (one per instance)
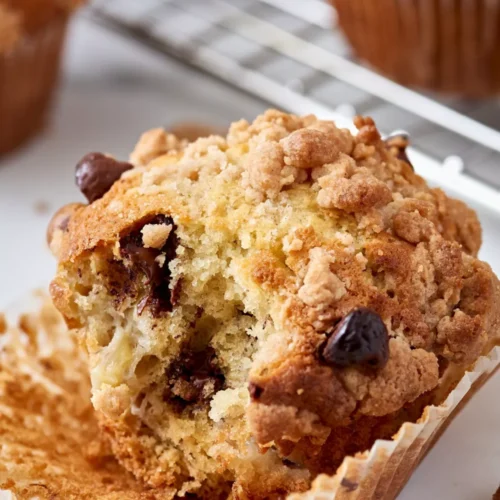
(3, 323)
(300, 391)
(27, 324)
(380, 252)
(41, 207)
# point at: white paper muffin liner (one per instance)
(381, 472)
(50, 445)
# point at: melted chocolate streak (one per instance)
(196, 369)
(159, 298)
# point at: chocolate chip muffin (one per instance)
(258, 306)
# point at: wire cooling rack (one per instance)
(291, 53)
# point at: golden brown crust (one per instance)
(281, 230)
(59, 225)
(103, 221)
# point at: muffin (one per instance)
(433, 44)
(257, 307)
(31, 40)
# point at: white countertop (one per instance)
(113, 90)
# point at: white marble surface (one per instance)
(111, 91)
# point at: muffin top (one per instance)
(357, 283)
(19, 18)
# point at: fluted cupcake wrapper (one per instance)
(444, 45)
(381, 472)
(51, 445)
(50, 442)
(28, 76)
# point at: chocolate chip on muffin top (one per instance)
(96, 173)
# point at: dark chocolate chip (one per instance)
(255, 391)
(175, 294)
(361, 339)
(398, 142)
(96, 173)
(348, 484)
(160, 298)
(194, 377)
(290, 464)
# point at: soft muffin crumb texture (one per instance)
(205, 283)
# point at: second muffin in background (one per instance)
(32, 34)
(449, 47)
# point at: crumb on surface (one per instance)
(3, 323)
(42, 207)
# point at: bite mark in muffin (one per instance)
(283, 297)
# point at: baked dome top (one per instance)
(280, 288)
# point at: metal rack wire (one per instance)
(286, 52)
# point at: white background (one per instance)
(112, 91)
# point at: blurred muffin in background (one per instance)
(442, 45)
(31, 39)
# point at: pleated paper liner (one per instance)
(381, 472)
(28, 77)
(51, 447)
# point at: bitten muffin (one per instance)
(258, 306)
(32, 34)
(434, 44)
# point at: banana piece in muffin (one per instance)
(258, 306)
